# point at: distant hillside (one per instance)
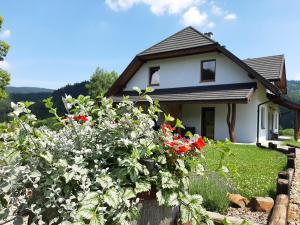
(26, 90)
(37, 95)
(287, 116)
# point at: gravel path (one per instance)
(294, 210)
(247, 214)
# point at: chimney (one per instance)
(209, 34)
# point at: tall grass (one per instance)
(214, 189)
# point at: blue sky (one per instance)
(58, 42)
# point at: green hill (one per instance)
(37, 95)
(287, 116)
(26, 90)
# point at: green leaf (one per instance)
(105, 181)
(142, 187)
(168, 118)
(179, 124)
(98, 219)
(128, 194)
(47, 156)
(137, 89)
(149, 90)
(48, 102)
(188, 134)
(111, 197)
(68, 176)
(149, 99)
(35, 174)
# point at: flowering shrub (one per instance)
(91, 171)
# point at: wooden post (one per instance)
(231, 118)
(296, 125)
(279, 213)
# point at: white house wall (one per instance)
(246, 118)
(185, 71)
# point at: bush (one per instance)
(51, 123)
(214, 189)
(92, 170)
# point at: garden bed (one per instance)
(257, 172)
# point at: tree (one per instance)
(100, 82)
(4, 75)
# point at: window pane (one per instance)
(154, 76)
(263, 115)
(208, 70)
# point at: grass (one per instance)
(293, 143)
(257, 174)
(287, 132)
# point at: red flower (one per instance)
(177, 137)
(80, 118)
(199, 143)
(183, 149)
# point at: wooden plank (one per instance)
(279, 214)
(282, 186)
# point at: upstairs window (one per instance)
(208, 70)
(154, 76)
(263, 118)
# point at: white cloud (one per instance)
(216, 10)
(230, 17)
(157, 7)
(117, 5)
(5, 34)
(4, 65)
(189, 10)
(211, 25)
(193, 17)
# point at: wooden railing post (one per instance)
(231, 118)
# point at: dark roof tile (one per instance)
(186, 38)
(269, 67)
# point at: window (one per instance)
(154, 76)
(263, 118)
(276, 120)
(208, 70)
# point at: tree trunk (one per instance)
(231, 118)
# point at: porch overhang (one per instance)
(225, 93)
(283, 102)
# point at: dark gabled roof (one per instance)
(186, 38)
(269, 67)
(178, 45)
(226, 93)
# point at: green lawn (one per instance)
(293, 143)
(257, 174)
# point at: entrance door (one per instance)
(208, 123)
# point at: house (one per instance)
(211, 90)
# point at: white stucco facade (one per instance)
(185, 72)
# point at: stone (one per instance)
(237, 200)
(261, 204)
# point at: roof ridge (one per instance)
(199, 32)
(178, 32)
